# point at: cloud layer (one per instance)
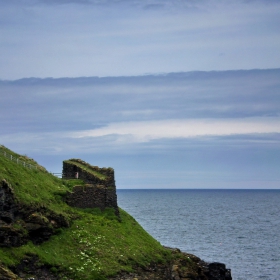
(136, 100)
(63, 38)
(199, 129)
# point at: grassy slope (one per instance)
(95, 245)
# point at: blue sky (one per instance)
(171, 94)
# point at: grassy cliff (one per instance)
(41, 235)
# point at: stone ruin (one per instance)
(99, 189)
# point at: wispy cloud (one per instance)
(146, 131)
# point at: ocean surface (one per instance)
(240, 228)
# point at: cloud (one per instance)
(170, 137)
(147, 131)
(195, 127)
(85, 38)
(88, 103)
(177, 120)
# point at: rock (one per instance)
(12, 237)
(6, 274)
(7, 216)
(175, 272)
(7, 205)
(183, 266)
(30, 268)
(218, 271)
(20, 223)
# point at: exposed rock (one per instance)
(7, 205)
(217, 271)
(20, 223)
(31, 269)
(184, 266)
(12, 237)
(6, 274)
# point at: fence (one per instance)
(59, 175)
(62, 175)
(17, 160)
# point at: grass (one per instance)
(35, 187)
(95, 245)
(88, 168)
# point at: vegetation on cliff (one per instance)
(41, 235)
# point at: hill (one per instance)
(42, 237)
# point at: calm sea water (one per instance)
(240, 228)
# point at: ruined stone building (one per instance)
(98, 190)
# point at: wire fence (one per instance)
(17, 160)
(59, 175)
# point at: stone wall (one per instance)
(92, 196)
(73, 167)
(99, 189)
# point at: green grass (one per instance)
(88, 168)
(70, 183)
(35, 187)
(96, 245)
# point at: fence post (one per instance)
(28, 165)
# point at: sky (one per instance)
(171, 94)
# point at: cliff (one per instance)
(46, 234)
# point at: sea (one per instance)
(240, 228)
